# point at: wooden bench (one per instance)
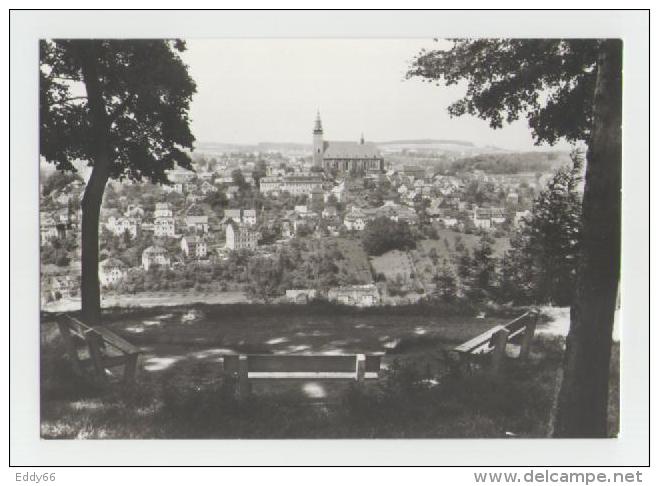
(495, 340)
(350, 367)
(104, 348)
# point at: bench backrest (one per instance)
(84, 331)
(301, 366)
(483, 343)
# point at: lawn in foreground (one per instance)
(182, 395)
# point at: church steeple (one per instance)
(318, 125)
(318, 144)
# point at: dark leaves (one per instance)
(550, 81)
(146, 91)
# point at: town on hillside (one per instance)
(294, 223)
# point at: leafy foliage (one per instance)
(146, 93)
(551, 81)
(382, 235)
(542, 262)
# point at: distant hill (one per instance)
(259, 147)
(427, 141)
(511, 163)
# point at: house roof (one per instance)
(195, 210)
(488, 213)
(194, 239)
(112, 263)
(232, 213)
(351, 150)
(154, 250)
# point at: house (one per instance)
(111, 271)
(163, 210)
(355, 220)
(357, 295)
(180, 175)
(448, 220)
(194, 246)
(194, 196)
(196, 220)
(232, 215)
(270, 184)
(57, 282)
(485, 218)
(329, 212)
(297, 184)
(178, 187)
(249, 217)
(164, 227)
(414, 171)
(155, 255)
(163, 224)
(134, 211)
(206, 188)
(397, 212)
(47, 228)
(119, 226)
(300, 296)
(232, 192)
(287, 230)
(240, 236)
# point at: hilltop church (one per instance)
(345, 157)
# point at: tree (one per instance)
(58, 181)
(217, 200)
(477, 271)
(382, 235)
(260, 170)
(121, 106)
(446, 287)
(238, 179)
(547, 248)
(567, 89)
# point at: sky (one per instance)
(268, 90)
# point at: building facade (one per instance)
(111, 272)
(240, 236)
(357, 295)
(155, 255)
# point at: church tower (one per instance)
(318, 147)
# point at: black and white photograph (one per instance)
(331, 237)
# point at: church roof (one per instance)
(351, 150)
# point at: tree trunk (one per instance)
(583, 398)
(90, 290)
(91, 202)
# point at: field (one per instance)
(393, 265)
(446, 240)
(355, 259)
(415, 269)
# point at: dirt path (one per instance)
(559, 323)
(152, 299)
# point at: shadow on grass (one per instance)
(190, 400)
